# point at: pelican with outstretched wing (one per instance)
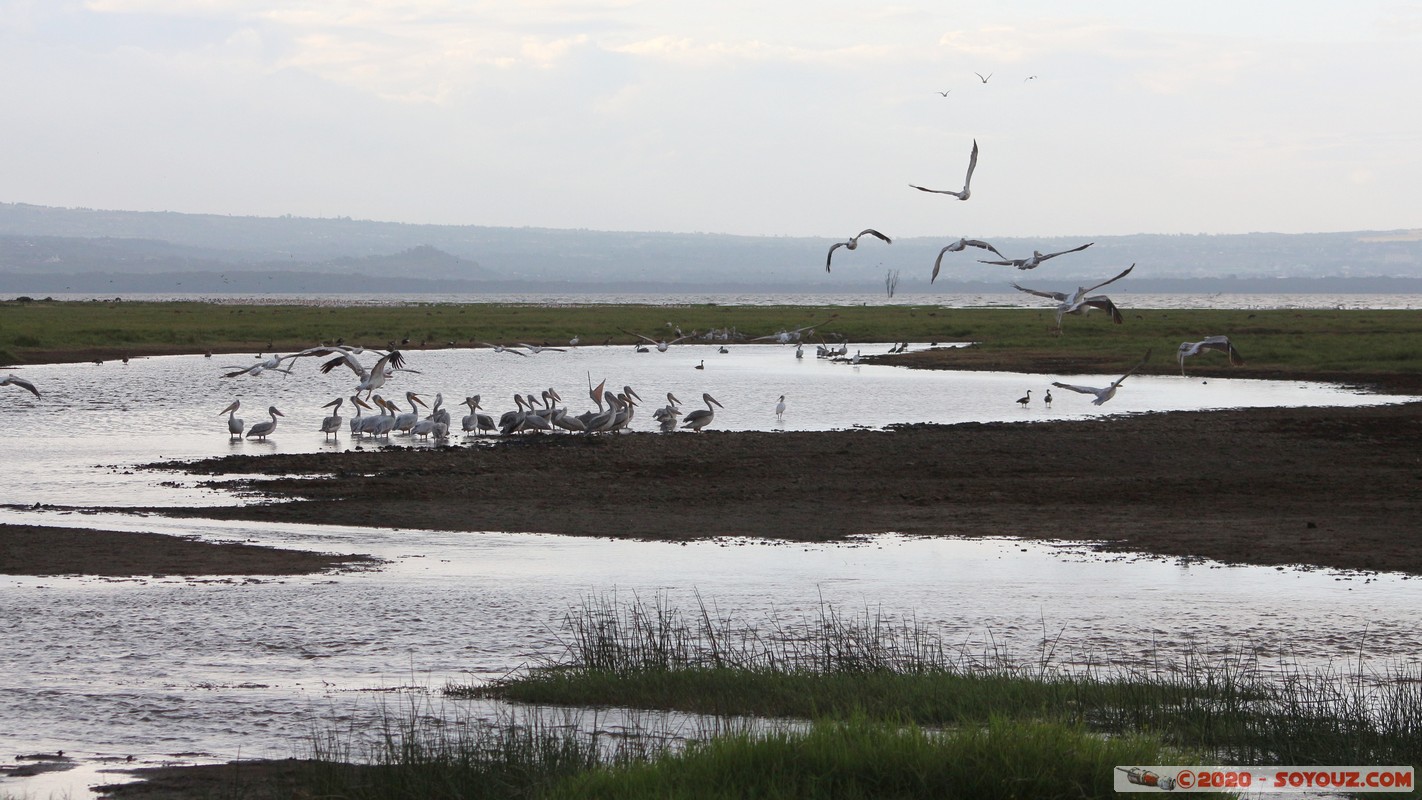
(1220, 343)
(1036, 258)
(967, 182)
(853, 243)
(1107, 392)
(1079, 302)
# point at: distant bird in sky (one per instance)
(981, 78)
(1220, 343)
(1036, 259)
(945, 94)
(15, 380)
(1079, 302)
(853, 243)
(966, 193)
(1029, 78)
(957, 247)
(1107, 392)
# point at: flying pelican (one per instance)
(853, 243)
(234, 425)
(1220, 343)
(701, 417)
(966, 193)
(498, 348)
(264, 429)
(981, 78)
(1079, 302)
(536, 349)
(1025, 399)
(15, 380)
(332, 425)
(370, 379)
(780, 408)
(944, 94)
(957, 247)
(661, 344)
(786, 337)
(1036, 259)
(1108, 392)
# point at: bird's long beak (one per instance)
(673, 399)
(714, 400)
(230, 408)
(278, 413)
(335, 402)
(363, 404)
(417, 399)
(630, 391)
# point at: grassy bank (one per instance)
(1298, 342)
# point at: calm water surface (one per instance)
(204, 669)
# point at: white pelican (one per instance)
(498, 348)
(1220, 343)
(661, 344)
(780, 408)
(966, 193)
(701, 417)
(370, 379)
(536, 349)
(255, 369)
(1025, 399)
(567, 423)
(1078, 302)
(425, 427)
(1036, 259)
(234, 425)
(358, 422)
(1108, 392)
(437, 413)
(385, 423)
(956, 247)
(15, 380)
(264, 429)
(332, 425)
(405, 421)
(853, 244)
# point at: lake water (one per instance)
(200, 670)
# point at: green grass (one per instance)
(1286, 340)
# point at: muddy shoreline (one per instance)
(1335, 488)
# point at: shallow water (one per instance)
(220, 669)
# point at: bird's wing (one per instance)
(828, 256)
(1057, 296)
(984, 245)
(22, 383)
(348, 360)
(1064, 252)
(249, 370)
(938, 262)
(873, 232)
(647, 339)
(972, 165)
(1082, 389)
(1124, 273)
(1008, 263)
(936, 191)
(1224, 345)
(1104, 303)
(1132, 370)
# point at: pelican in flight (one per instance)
(981, 78)
(266, 365)
(786, 337)
(536, 349)
(1107, 392)
(498, 348)
(234, 425)
(701, 417)
(661, 344)
(370, 379)
(853, 243)
(264, 429)
(966, 193)
(1220, 343)
(956, 247)
(331, 425)
(15, 380)
(1079, 302)
(1036, 259)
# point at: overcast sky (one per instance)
(797, 118)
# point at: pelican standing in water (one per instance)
(15, 380)
(780, 408)
(701, 417)
(404, 422)
(1107, 392)
(331, 425)
(967, 192)
(264, 429)
(1220, 343)
(234, 425)
(853, 244)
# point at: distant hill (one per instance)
(85, 250)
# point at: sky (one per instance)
(780, 118)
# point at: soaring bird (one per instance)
(981, 78)
(331, 425)
(370, 379)
(1220, 343)
(498, 348)
(853, 244)
(701, 417)
(661, 344)
(966, 193)
(264, 429)
(234, 425)
(1035, 260)
(786, 337)
(15, 380)
(1107, 392)
(536, 349)
(957, 247)
(1079, 302)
